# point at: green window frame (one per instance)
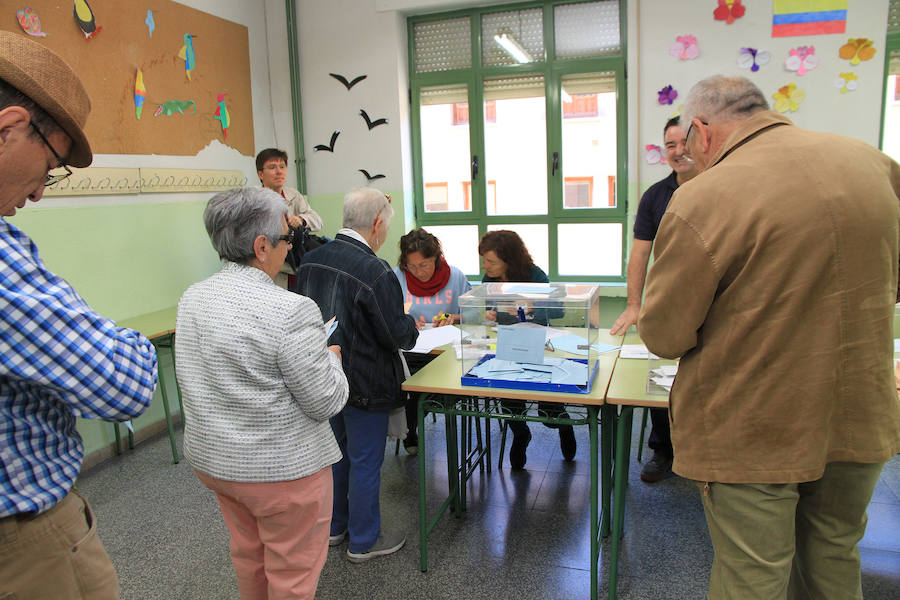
(552, 69)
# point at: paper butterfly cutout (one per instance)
(753, 59)
(729, 10)
(30, 22)
(802, 59)
(685, 47)
(654, 155)
(846, 82)
(667, 95)
(857, 50)
(788, 98)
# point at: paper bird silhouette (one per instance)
(150, 23)
(222, 115)
(370, 178)
(348, 84)
(329, 147)
(140, 94)
(370, 122)
(84, 16)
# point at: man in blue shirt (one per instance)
(649, 213)
(58, 358)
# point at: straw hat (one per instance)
(46, 78)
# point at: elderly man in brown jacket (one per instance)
(775, 280)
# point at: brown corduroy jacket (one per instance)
(775, 279)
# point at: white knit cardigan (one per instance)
(257, 380)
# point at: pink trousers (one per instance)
(279, 533)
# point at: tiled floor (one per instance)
(524, 536)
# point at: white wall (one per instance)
(856, 114)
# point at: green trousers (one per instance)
(795, 541)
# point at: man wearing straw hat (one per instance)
(58, 358)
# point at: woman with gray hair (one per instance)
(259, 385)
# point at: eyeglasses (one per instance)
(687, 136)
(287, 237)
(60, 163)
(275, 166)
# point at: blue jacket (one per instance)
(347, 280)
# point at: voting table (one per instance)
(441, 391)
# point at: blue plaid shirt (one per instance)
(58, 360)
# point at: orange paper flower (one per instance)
(857, 50)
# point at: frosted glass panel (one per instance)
(460, 244)
(443, 45)
(513, 37)
(587, 29)
(589, 249)
(536, 240)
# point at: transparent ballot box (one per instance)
(533, 336)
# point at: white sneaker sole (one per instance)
(358, 557)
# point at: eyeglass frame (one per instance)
(52, 179)
(287, 237)
(687, 135)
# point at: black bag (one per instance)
(304, 241)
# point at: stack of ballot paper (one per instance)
(636, 351)
(553, 370)
(664, 376)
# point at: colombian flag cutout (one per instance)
(809, 17)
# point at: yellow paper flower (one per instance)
(846, 82)
(857, 50)
(788, 98)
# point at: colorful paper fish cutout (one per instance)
(667, 95)
(30, 22)
(788, 98)
(685, 47)
(140, 94)
(753, 59)
(149, 22)
(171, 107)
(801, 59)
(84, 16)
(187, 54)
(222, 115)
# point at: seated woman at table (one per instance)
(431, 291)
(505, 258)
(259, 385)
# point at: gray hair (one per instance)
(10, 96)
(723, 99)
(362, 205)
(235, 218)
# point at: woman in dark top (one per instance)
(505, 258)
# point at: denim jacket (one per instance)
(347, 280)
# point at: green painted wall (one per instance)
(125, 260)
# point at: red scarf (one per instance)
(432, 286)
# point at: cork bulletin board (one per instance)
(108, 64)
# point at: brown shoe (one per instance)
(657, 468)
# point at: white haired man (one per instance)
(775, 280)
(347, 280)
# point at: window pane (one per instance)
(460, 244)
(515, 144)
(513, 37)
(589, 249)
(891, 139)
(587, 29)
(444, 120)
(536, 240)
(589, 140)
(443, 45)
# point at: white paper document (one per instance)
(429, 339)
(636, 351)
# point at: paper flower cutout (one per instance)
(685, 47)
(788, 98)
(654, 155)
(30, 22)
(801, 59)
(857, 50)
(729, 10)
(667, 95)
(677, 112)
(846, 82)
(753, 59)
